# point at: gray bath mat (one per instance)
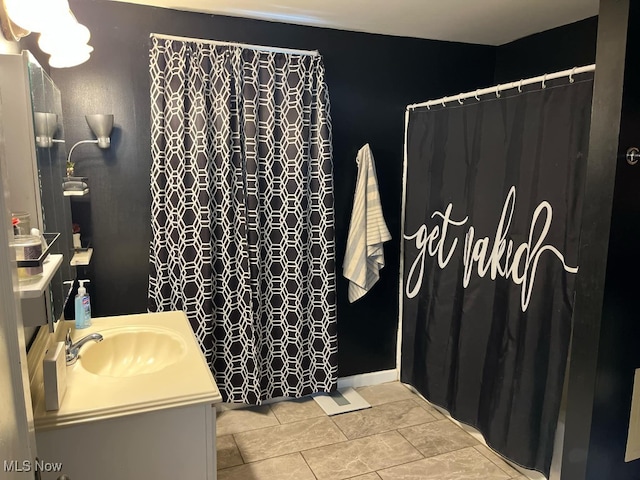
(341, 401)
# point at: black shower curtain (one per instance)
(493, 207)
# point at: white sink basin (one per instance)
(132, 351)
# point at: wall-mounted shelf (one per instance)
(75, 186)
(50, 238)
(49, 267)
(82, 257)
(76, 193)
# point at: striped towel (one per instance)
(367, 232)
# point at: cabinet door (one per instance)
(17, 441)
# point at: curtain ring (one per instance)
(443, 102)
(498, 91)
(428, 107)
(573, 72)
(460, 99)
(520, 86)
(476, 95)
(544, 81)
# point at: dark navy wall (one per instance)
(561, 48)
(371, 79)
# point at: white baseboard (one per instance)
(367, 379)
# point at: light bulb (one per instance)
(59, 39)
(71, 57)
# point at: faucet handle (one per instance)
(67, 339)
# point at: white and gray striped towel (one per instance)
(367, 232)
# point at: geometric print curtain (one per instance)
(242, 213)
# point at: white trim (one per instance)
(313, 53)
(367, 379)
(402, 219)
(507, 86)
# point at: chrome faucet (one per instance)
(72, 350)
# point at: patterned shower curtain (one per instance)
(242, 213)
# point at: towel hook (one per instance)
(498, 91)
(520, 86)
(544, 81)
(573, 72)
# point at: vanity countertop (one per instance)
(91, 397)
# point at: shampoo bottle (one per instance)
(82, 306)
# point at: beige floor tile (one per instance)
(296, 410)
(430, 408)
(364, 455)
(382, 418)
(438, 437)
(367, 476)
(227, 452)
(385, 393)
(288, 467)
(288, 438)
(465, 464)
(502, 465)
(235, 421)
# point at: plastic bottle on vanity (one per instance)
(82, 306)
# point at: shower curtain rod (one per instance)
(312, 53)
(505, 86)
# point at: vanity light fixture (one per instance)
(61, 35)
(71, 58)
(67, 42)
(101, 126)
(36, 15)
(10, 30)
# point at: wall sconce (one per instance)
(46, 125)
(101, 126)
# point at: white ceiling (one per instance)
(489, 22)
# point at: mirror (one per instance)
(51, 156)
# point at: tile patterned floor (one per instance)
(400, 438)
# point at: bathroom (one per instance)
(371, 80)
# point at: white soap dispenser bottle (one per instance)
(82, 306)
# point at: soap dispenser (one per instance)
(82, 306)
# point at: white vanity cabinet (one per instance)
(153, 419)
(169, 444)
